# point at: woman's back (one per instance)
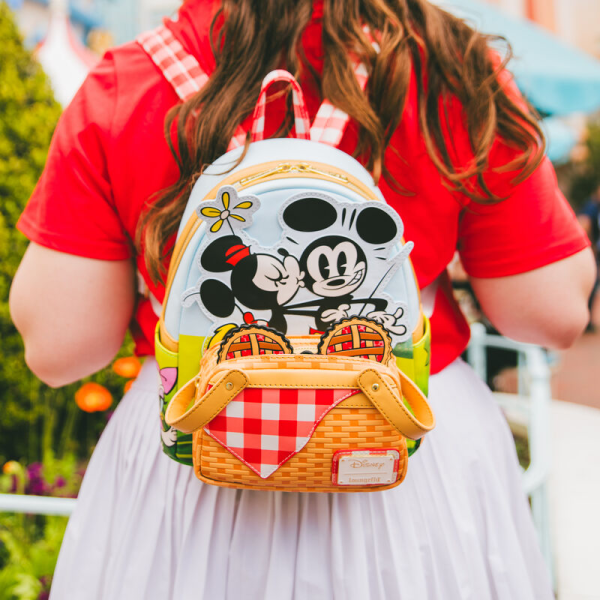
(458, 527)
(114, 159)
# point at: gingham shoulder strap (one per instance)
(179, 68)
(331, 122)
(187, 77)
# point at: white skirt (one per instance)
(458, 528)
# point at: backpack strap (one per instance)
(331, 122)
(179, 68)
(187, 77)
(302, 122)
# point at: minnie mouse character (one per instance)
(344, 265)
(258, 281)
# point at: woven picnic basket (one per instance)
(379, 410)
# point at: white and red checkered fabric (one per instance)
(302, 121)
(330, 123)
(180, 69)
(187, 77)
(265, 427)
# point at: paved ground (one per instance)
(574, 493)
(574, 476)
(577, 374)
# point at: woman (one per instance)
(457, 154)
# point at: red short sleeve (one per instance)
(533, 227)
(72, 209)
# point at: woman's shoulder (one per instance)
(128, 74)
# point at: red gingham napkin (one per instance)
(265, 427)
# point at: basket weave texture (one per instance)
(310, 469)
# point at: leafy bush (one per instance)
(33, 415)
(29, 544)
(29, 547)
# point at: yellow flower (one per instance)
(222, 216)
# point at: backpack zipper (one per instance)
(292, 168)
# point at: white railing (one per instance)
(532, 403)
(38, 505)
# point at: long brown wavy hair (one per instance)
(251, 37)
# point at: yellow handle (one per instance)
(390, 405)
(207, 407)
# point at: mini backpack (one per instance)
(292, 348)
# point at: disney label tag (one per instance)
(365, 467)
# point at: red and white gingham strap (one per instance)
(330, 122)
(300, 111)
(180, 69)
(187, 77)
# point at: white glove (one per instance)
(335, 314)
(169, 437)
(390, 322)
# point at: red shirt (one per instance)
(109, 155)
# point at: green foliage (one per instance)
(585, 177)
(33, 415)
(28, 114)
(29, 544)
(29, 547)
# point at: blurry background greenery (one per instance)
(581, 178)
(45, 438)
(34, 416)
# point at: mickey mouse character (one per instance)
(335, 266)
(343, 266)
